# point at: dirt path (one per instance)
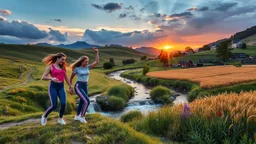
(11, 124)
(29, 77)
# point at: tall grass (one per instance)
(225, 118)
(132, 115)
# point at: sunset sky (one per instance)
(156, 23)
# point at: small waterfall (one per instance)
(94, 107)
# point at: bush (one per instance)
(111, 60)
(128, 61)
(146, 69)
(238, 64)
(107, 65)
(123, 91)
(116, 103)
(131, 116)
(161, 94)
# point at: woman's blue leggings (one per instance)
(54, 90)
(81, 89)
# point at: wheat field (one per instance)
(237, 106)
(210, 77)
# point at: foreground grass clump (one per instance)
(226, 118)
(115, 103)
(123, 91)
(161, 94)
(116, 98)
(98, 130)
(130, 116)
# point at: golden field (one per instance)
(236, 106)
(209, 77)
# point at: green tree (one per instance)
(189, 49)
(143, 58)
(223, 51)
(164, 57)
(111, 60)
(107, 65)
(206, 47)
(243, 46)
(146, 69)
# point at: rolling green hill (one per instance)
(250, 40)
(37, 53)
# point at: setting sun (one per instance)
(167, 47)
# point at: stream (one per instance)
(141, 100)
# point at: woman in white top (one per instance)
(81, 68)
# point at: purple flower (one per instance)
(186, 111)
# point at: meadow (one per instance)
(210, 77)
(226, 118)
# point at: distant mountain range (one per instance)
(76, 45)
(149, 50)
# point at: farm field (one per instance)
(210, 77)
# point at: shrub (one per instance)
(146, 69)
(161, 94)
(116, 103)
(238, 64)
(131, 116)
(123, 91)
(128, 61)
(107, 65)
(111, 60)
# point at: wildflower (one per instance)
(219, 114)
(186, 111)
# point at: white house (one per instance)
(213, 47)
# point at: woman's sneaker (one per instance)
(43, 120)
(76, 117)
(82, 120)
(61, 121)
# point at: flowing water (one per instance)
(141, 100)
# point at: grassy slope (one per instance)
(118, 54)
(250, 40)
(99, 130)
(10, 73)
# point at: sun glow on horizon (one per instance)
(167, 47)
